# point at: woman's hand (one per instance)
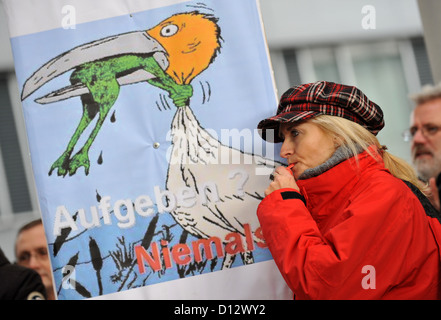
(283, 178)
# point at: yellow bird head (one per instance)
(192, 41)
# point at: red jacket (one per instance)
(362, 235)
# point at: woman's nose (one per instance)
(286, 150)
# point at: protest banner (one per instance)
(141, 120)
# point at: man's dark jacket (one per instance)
(19, 283)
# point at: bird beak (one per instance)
(137, 43)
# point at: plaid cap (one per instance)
(309, 100)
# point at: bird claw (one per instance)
(62, 164)
(66, 165)
(81, 159)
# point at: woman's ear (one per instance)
(337, 142)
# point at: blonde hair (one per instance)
(355, 136)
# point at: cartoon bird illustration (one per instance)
(167, 56)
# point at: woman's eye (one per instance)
(294, 133)
(169, 30)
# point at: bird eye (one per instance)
(169, 30)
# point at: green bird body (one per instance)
(100, 78)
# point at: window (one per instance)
(15, 195)
(422, 61)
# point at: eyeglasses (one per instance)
(427, 130)
(24, 258)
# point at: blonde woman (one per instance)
(347, 220)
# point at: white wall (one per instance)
(302, 22)
(298, 23)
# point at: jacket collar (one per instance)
(341, 154)
(328, 191)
